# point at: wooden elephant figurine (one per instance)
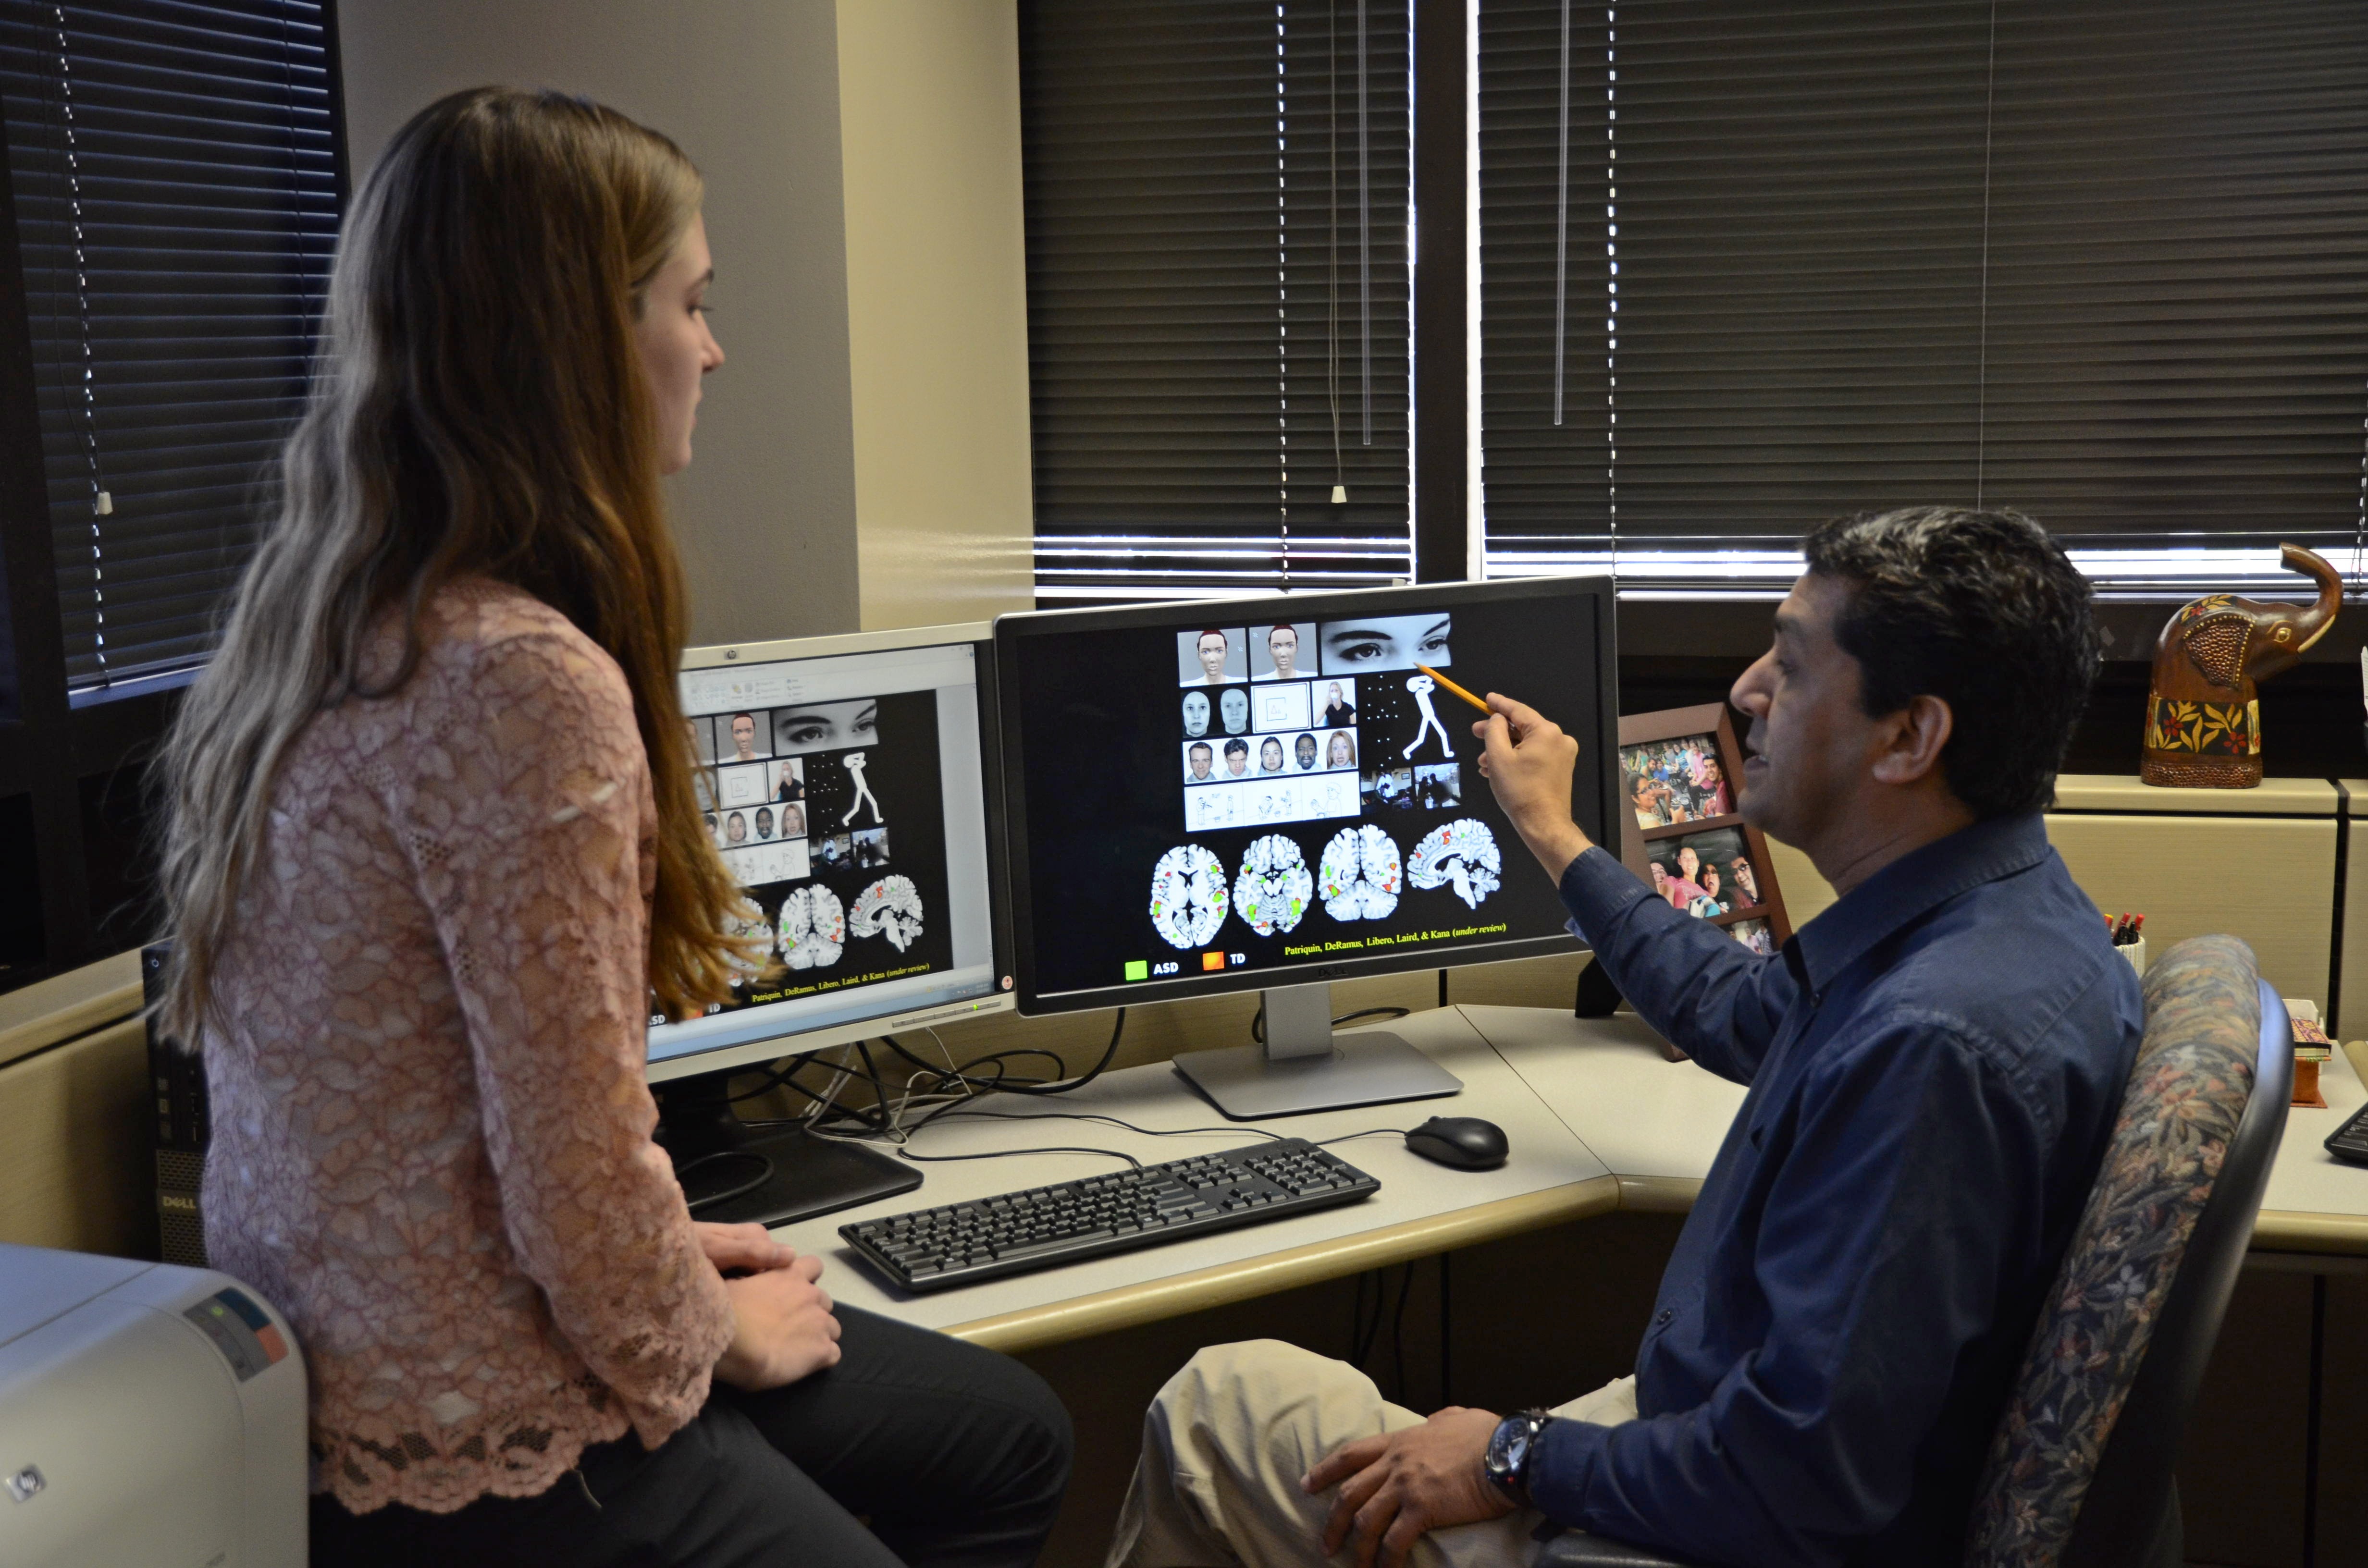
(2204, 722)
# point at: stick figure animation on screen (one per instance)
(1422, 686)
(853, 762)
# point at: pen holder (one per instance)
(2135, 953)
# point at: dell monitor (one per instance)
(1271, 794)
(848, 782)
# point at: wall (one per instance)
(750, 90)
(937, 307)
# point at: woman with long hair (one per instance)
(436, 854)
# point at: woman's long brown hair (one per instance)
(479, 409)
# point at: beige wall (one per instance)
(750, 89)
(937, 307)
(862, 455)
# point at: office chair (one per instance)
(2079, 1472)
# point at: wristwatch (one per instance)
(1510, 1448)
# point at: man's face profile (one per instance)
(1213, 656)
(1810, 744)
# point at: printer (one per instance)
(150, 1417)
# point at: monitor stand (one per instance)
(811, 1175)
(1300, 1069)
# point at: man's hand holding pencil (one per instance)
(1528, 762)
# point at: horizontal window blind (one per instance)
(1218, 293)
(2104, 263)
(176, 207)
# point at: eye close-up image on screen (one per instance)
(1271, 791)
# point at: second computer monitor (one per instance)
(1268, 792)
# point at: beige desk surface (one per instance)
(2315, 1201)
(1422, 1208)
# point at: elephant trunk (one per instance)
(2312, 623)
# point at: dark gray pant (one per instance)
(956, 1455)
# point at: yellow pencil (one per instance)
(1453, 688)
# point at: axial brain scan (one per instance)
(1461, 854)
(1187, 896)
(1273, 891)
(737, 924)
(890, 907)
(813, 927)
(1359, 875)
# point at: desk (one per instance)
(1595, 1118)
(1422, 1208)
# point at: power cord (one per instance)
(764, 1174)
(1258, 1019)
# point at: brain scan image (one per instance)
(747, 923)
(890, 907)
(813, 927)
(1273, 891)
(1361, 874)
(1187, 896)
(1462, 855)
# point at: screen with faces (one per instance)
(847, 796)
(1251, 787)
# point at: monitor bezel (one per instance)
(979, 635)
(1601, 750)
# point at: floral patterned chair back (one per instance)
(2079, 1472)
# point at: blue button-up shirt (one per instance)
(1936, 1063)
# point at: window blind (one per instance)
(1218, 294)
(2106, 263)
(175, 177)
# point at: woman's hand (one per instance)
(782, 1328)
(744, 1247)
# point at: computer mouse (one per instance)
(1459, 1143)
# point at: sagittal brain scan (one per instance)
(1462, 855)
(1359, 875)
(1274, 887)
(890, 907)
(1187, 896)
(813, 927)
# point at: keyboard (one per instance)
(2350, 1141)
(958, 1243)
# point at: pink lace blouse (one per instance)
(431, 1134)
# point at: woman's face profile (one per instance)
(677, 348)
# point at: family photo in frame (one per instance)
(1678, 770)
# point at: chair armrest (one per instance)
(1577, 1549)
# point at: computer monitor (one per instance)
(1269, 795)
(849, 783)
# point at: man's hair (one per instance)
(1983, 610)
(1198, 745)
(1237, 747)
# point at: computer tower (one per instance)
(178, 1080)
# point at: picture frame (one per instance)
(1678, 776)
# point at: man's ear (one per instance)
(1913, 740)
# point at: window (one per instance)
(1746, 266)
(1218, 294)
(175, 177)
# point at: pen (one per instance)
(1453, 688)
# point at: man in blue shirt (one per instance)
(1935, 1063)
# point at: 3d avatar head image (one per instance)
(1211, 649)
(744, 737)
(1196, 713)
(1233, 707)
(1282, 642)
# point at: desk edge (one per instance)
(1129, 1305)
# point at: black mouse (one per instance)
(1461, 1143)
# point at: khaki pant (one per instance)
(1224, 1444)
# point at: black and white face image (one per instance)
(1196, 713)
(764, 822)
(1269, 755)
(1304, 749)
(1233, 707)
(736, 829)
(1237, 758)
(1199, 763)
(1213, 656)
(743, 738)
(1276, 650)
(702, 738)
(825, 726)
(1384, 643)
